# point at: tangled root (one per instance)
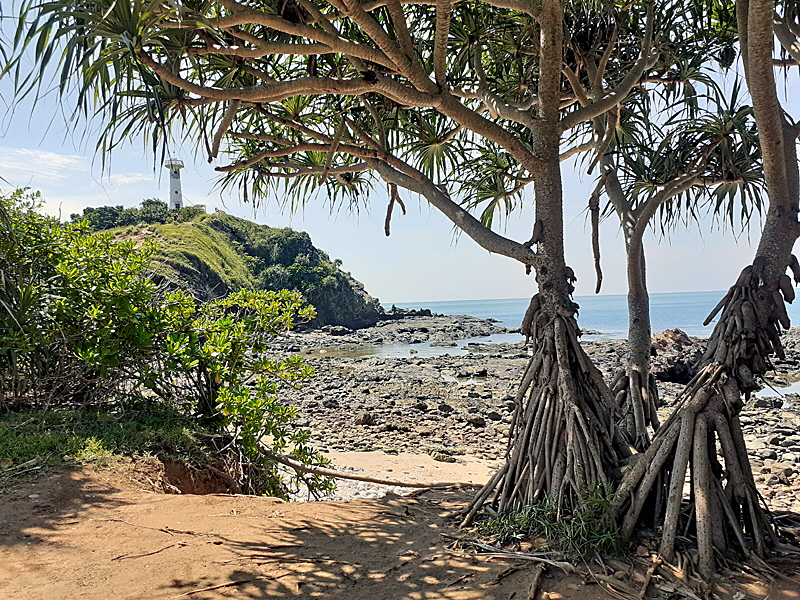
(638, 404)
(564, 439)
(723, 509)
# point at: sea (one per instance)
(607, 314)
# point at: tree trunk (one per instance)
(641, 401)
(564, 441)
(724, 505)
(633, 388)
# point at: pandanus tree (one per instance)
(449, 100)
(673, 160)
(704, 435)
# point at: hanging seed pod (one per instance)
(620, 397)
(780, 309)
(787, 288)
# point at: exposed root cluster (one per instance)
(749, 326)
(638, 403)
(723, 507)
(564, 439)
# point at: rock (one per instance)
(445, 408)
(767, 454)
(442, 457)
(330, 403)
(787, 471)
(762, 403)
(364, 418)
(775, 440)
(790, 457)
(421, 406)
(676, 354)
(443, 344)
(476, 420)
(494, 415)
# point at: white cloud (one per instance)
(21, 166)
(130, 178)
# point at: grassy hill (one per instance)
(211, 255)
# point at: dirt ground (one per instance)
(105, 534)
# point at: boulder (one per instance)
(675, 355)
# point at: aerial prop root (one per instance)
(751, 316)
(724, 502)
(563, 438)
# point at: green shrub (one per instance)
(83, 322)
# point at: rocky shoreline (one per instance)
(457, 404)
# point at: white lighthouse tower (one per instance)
(175, 193)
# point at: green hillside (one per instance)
(212, 255)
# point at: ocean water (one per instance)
(607, 314)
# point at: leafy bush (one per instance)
(81, 321)
(150, 211)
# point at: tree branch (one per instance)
(786, 38)
(645, 61)
(243, 15)
(482, 235)
(444, 11)
(277, 91)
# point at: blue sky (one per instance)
(421, 261)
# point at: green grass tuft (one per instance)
(99, 436)
(589, 529)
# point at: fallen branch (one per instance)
(298, 466)
(125, 556)
(494, 552)
(534, 587)
(224, 585)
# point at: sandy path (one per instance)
(406, 467)
(92, 535)
(97, 535)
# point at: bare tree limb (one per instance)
(444, 11)
(786, 38)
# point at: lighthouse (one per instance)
(175, 194)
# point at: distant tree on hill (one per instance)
(151, 210)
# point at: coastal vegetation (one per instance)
(211, 255)
(83, 325)
(469, 105)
